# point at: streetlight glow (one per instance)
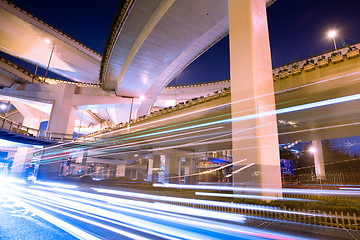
(312, 150)
(47, 40)
(332, 34)
(2, 106)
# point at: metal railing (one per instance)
(314, 217)
(18, 128)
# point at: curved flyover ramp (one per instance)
(153, 41)
(27, 37)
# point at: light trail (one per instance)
(64, 155)
(279, 111)
(208, 142)
(202, 202)
(237, 102)
(55, 184)
(257, 115)
(240, 169)
(260, 190)
(350, 188)
(247, 196)
(56, 221)
(227, 104)
(142, 143)
(92, 210)
(210, 171)
(129, 218)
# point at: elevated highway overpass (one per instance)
(202, 124)
(136, 66)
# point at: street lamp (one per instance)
(332, 34)
(131, 107)
(48, 41)
(312, 150)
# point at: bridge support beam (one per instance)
(255, 135)
(174, 169)
(150, 169)
(159, 168)
(63, 114)
(189, 171)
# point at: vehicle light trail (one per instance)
(264, 190)
(247, 196)
(97, 215)
(54, 220)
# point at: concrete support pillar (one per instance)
(63, 114)
(255, 136)
(156, 168)
(174, 170)
(318, 159)
(189, 171)
(160, 168)
(120, 170)
(150, 169)
(22, 156)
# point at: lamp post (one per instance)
(131, 107)
(82, 112)
(313, 151)
(332, 34)
(52, 51)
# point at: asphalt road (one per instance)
(50, 211)
(16, 222)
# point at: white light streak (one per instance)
(247, 196)
(54, 184)
(56, 221)
(268, 190)
(240, 169)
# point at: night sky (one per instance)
(297, 30)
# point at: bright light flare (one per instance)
(8, 180)
(47, 40)
(312, 150)
(3, 106)
(332, 33)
